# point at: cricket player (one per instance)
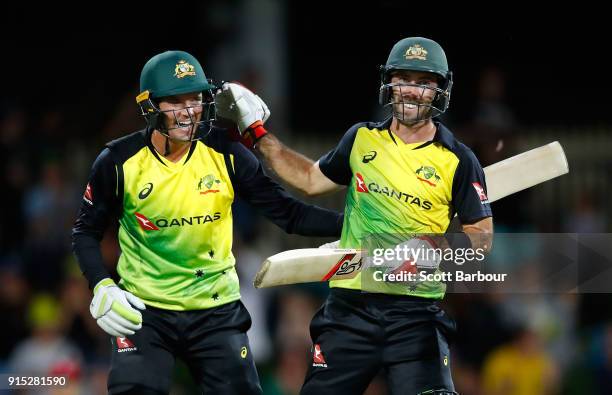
(406, 175)
(170, 187)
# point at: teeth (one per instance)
(410, 106)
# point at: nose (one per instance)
(187, 113)
(411, 92)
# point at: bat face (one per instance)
(525, 170)
(503, 178)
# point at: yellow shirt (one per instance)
(509, 371)
(397, 190)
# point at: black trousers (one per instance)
(212, 342)
(356, 335)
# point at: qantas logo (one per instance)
(124, 345)
(145, 223)
(361, 186)
(149, 225)
(88, 195)
(373, 187)
(318, 360)
(481, 193)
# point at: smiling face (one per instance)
(412, 95)
(181, 114)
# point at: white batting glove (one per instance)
(112, 309)
(240, 105)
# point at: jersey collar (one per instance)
(442, 136)
(148, 135)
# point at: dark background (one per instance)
(69, 75)
(557, 69)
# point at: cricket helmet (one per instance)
(417, 54)
(173, 73)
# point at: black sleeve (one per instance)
(469, 193)
(266, 195)
(335, 164)
(100, 205)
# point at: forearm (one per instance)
(292, 167)
(89, 255)
(480, 235)
(317, 221)
(290, 214)
(476, 236)
(95, 213)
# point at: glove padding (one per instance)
(112, 309)
(240, 105)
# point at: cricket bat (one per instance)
(503, 178)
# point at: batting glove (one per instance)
(112, 309)
(246, 109)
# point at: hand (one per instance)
(334, 245)
(111, 309)
(246, 109)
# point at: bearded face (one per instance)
(412, 95)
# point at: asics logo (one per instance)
(146, 191)
(369, 156)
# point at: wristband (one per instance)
(253, 134)
(257, 130)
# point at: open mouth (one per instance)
(184, 127)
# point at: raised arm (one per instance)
(249, 112)
(268, 197)
(294, 168)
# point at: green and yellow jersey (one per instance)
(175, 219)
(396, 190)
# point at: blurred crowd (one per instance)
(506, 344)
